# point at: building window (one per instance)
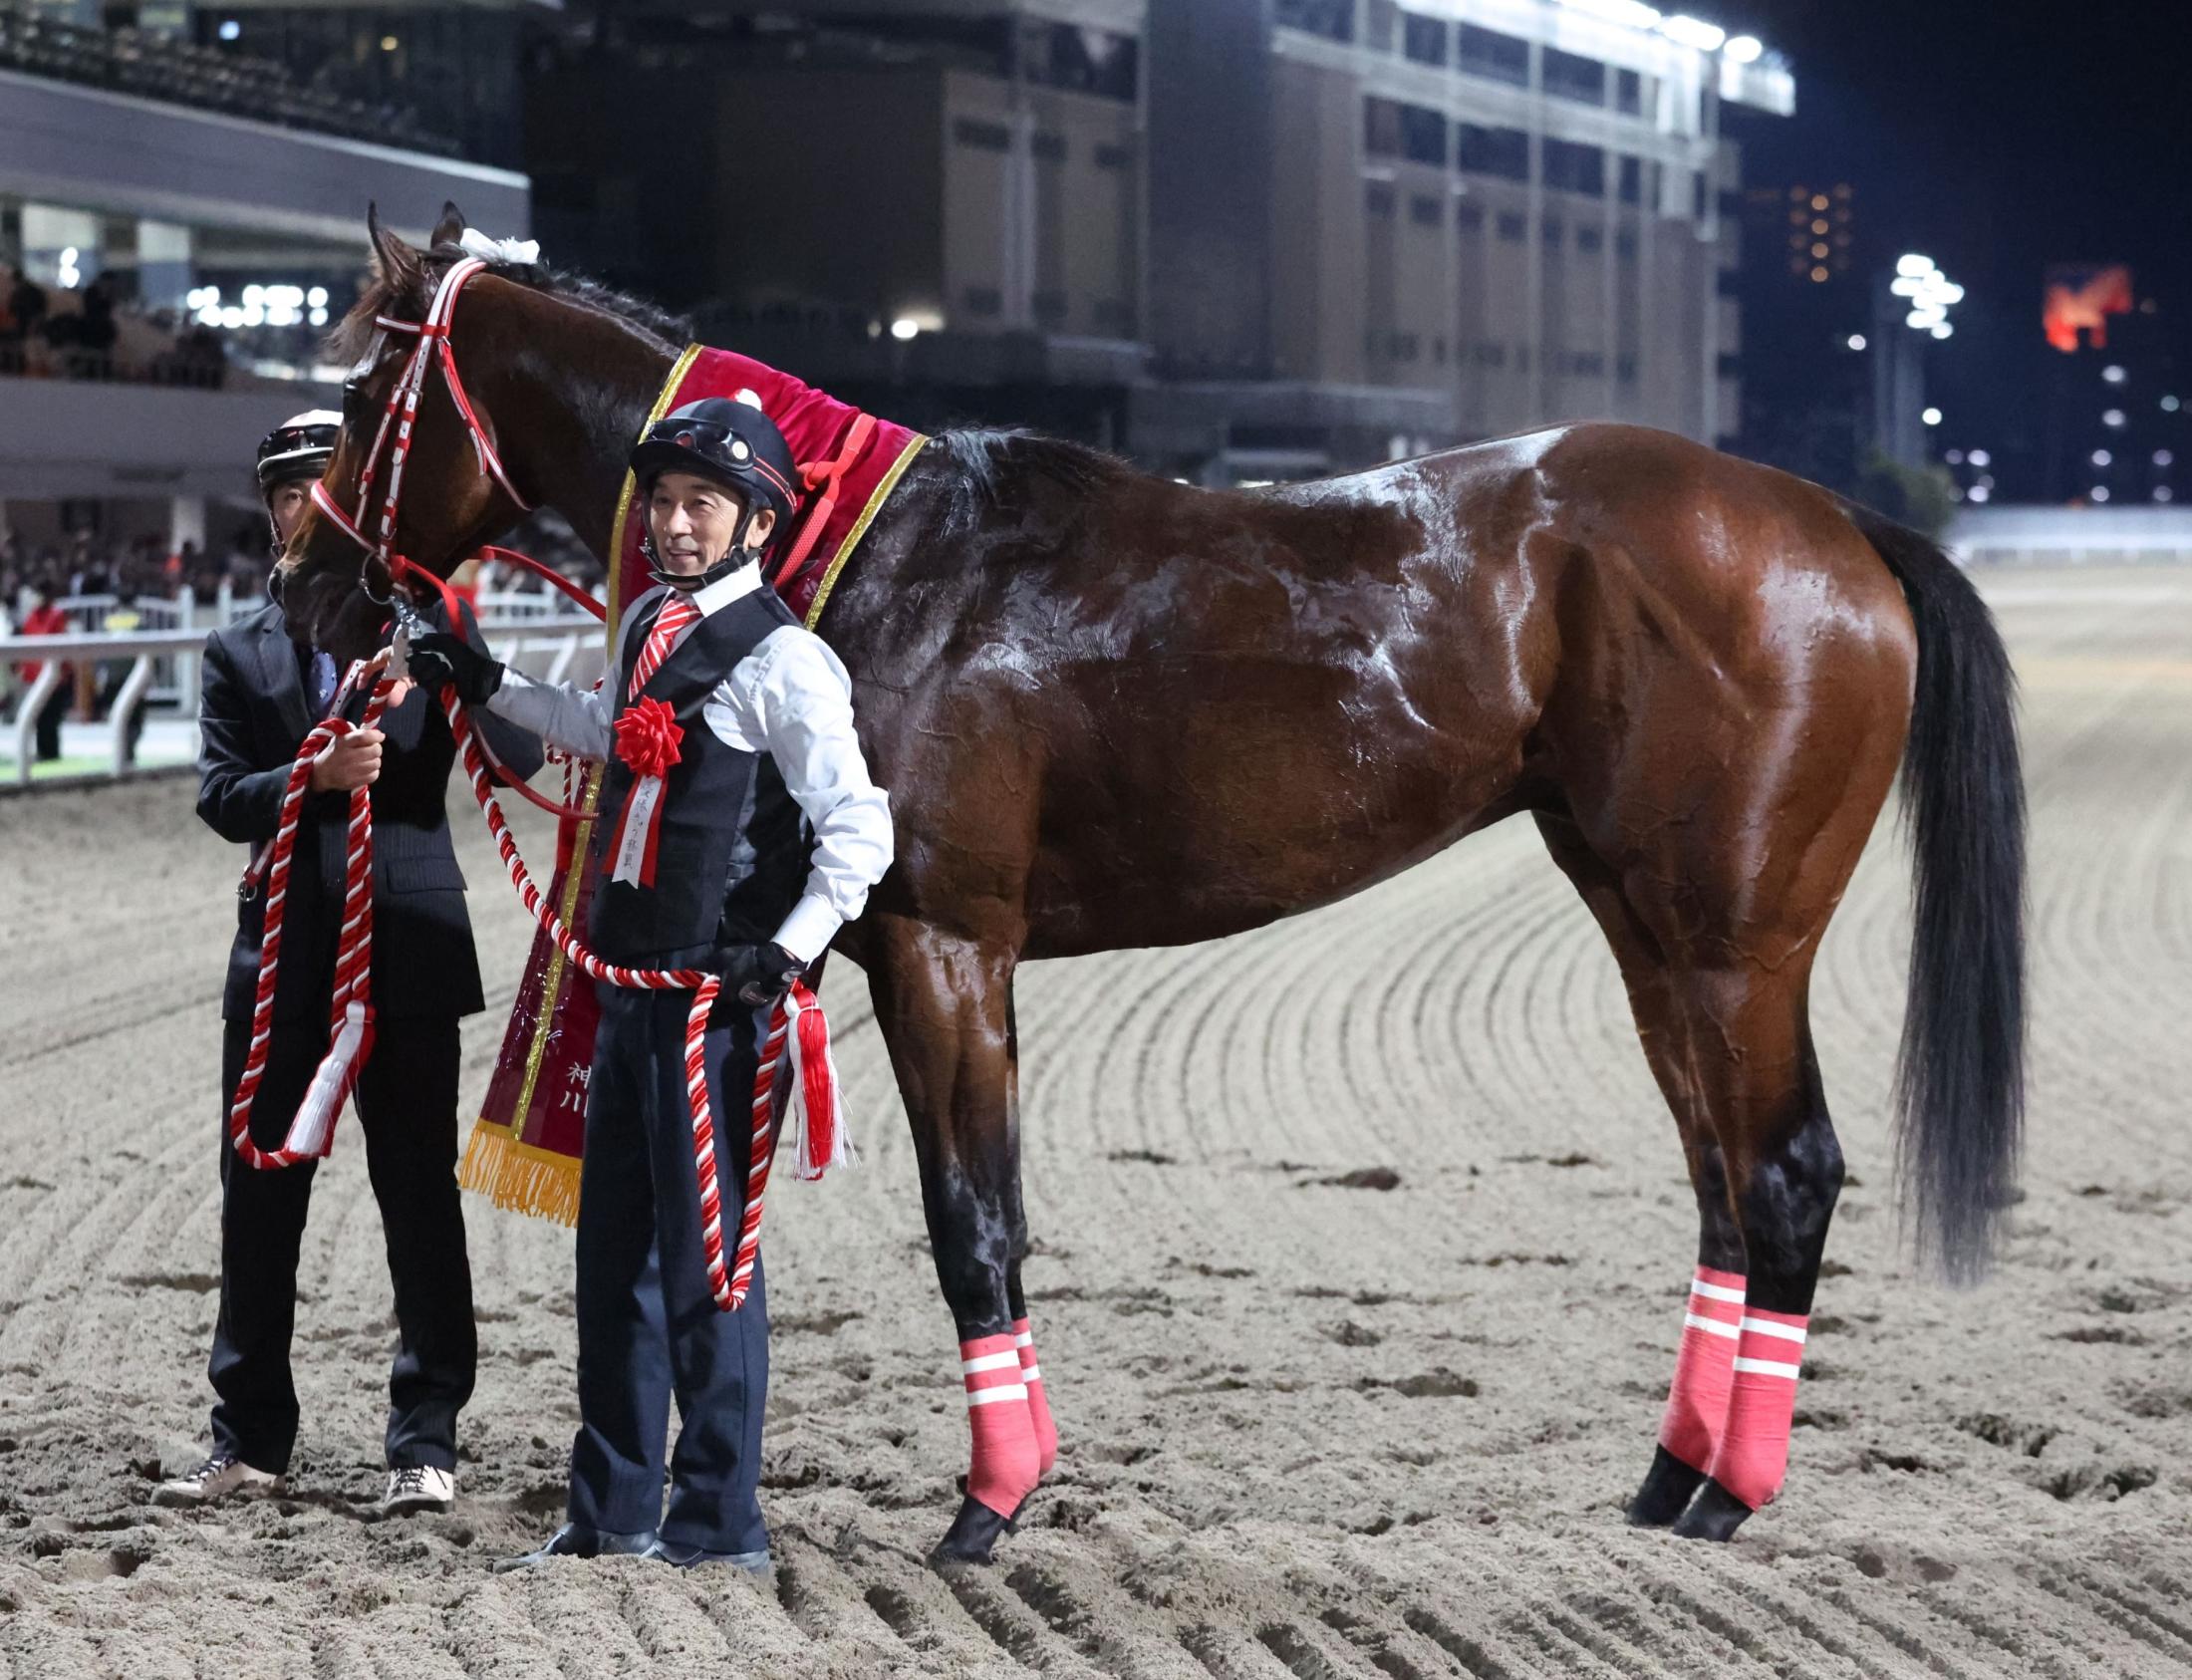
(1624, 368)
(1088, 60)
(1332, 19)
(1553, 232)
(1425, 211)
(1424, 39)
(1731, 203)
(1632, 179)
(1381, 127)
(1495, 152)
(985, 136)
(1437, 352)
(1050, 148)
(1422, 135)
(1113, 156)
(1697, 196)
(1468, 217)
(1569, 76)
(1377, 198)
(1624, 246)
(983, 300)
(1485, 52)
(1728, 283)
(1402, 347)
(1049, 306)
(1727, 365)
(1512, 226)
(1575, 168)
(1489, 355)
(1588, 363)
(1588, 239)
(1628, 92)
(1113, 316)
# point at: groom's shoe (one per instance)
(573, 1541)
(692, 1556)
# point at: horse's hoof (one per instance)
(1666, 1491)
(1715, 1515)
(973, 1534)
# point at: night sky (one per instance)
(1996, 137)
(1997, 140)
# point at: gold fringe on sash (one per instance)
(520, 1175)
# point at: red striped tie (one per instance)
(678, 612)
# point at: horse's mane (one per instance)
(407, 296)
(998, 468)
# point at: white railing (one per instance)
(564, 639)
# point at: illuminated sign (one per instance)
(2079, 300)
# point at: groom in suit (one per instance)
(262, 694)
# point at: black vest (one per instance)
(733, 850)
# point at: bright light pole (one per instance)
(1917, 299)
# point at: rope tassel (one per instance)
(824, 1141)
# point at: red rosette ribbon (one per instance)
(647, 735)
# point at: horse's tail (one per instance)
(1960, 1075)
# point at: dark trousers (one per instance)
(49, 725)
(407, 1096)
(649, 1329)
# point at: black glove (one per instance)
(437, 657)
(753, 975)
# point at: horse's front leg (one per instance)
(944, 1003)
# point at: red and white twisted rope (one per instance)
(350, 1021)
(728, 1284)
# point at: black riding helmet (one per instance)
(733, 443)
(300, 447)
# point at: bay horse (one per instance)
(1113, 710)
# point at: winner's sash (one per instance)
(525, 1146)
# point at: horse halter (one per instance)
(396, 421)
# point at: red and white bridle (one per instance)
(402, 412)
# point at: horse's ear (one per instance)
(450, 229)
(399, 266)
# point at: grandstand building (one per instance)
(187, 217)
(1234, 238)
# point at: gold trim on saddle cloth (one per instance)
(884, 486)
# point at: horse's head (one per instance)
(333, 591)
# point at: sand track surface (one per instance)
(1312, 1429)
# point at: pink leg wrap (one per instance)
(1753, 1449)
(1697, 1404)
(1038, 1403)
(1006, 1462)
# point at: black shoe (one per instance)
(691, 1557)
(573, 1541)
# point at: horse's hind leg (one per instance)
(1730, 1050)
(943, 1004)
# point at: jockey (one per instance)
(260, 697)
(705, 862)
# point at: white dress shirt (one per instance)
(790, 699)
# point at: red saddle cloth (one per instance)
(525, 1146)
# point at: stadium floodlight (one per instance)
(1932, 416)
(1693, 31)
(904, 329)
(1857, 341)
(1911, 265)
(1745, 49)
